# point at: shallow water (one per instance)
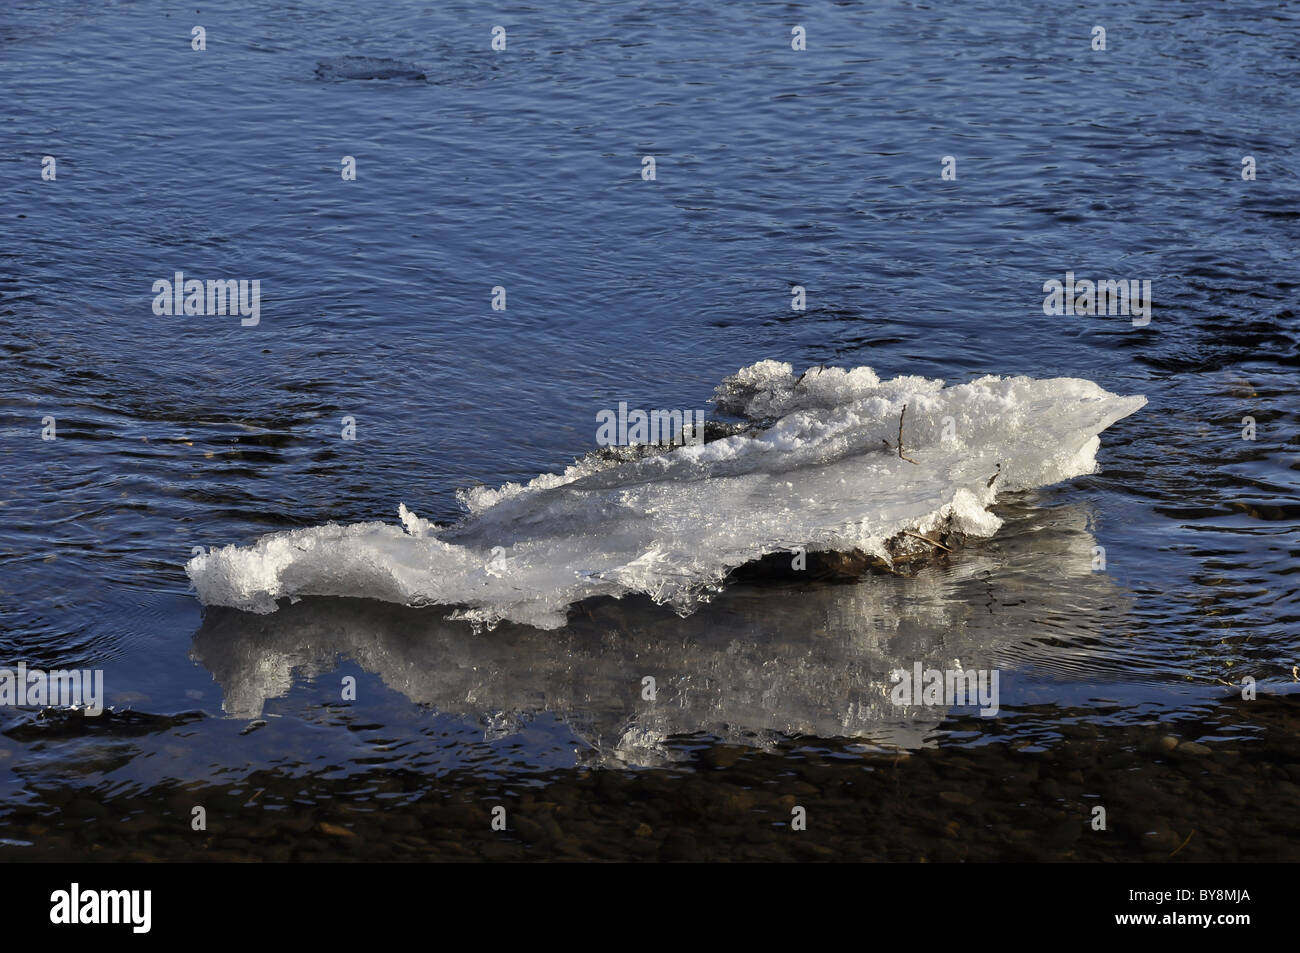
(522, 169)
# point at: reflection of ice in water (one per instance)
(760, 660)
(820, 470)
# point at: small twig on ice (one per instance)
(820, 368)
(901, 455)
(932, 542)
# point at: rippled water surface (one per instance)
(522, 169)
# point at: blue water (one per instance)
(522, 168)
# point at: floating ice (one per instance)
(752, 665)
(819, 468)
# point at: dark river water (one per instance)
(1121, 687)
